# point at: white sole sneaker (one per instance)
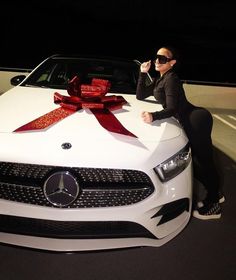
(208, 211)
(201, 204)
(196, 214)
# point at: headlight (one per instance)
(174, 165)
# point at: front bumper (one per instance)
(153, 220)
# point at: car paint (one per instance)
(93, 146)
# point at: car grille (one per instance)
(72, 229)
(99, 187)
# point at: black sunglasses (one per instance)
(162, 59)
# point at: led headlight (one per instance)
(174, 165)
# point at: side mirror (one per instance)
(17, 79)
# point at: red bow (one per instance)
(84, 96)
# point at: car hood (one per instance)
(91, 144)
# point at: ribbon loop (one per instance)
(87, 97)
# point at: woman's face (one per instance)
(164, 61)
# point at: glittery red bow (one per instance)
(80, 97)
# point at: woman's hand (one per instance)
(145, 66)
(147, 117)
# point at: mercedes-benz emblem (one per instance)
(66, 145)
(61, 189)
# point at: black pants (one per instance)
(198, 127)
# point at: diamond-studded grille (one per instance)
(98, 187)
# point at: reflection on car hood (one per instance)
(21, 105)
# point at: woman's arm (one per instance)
(143, 90)
(172, 88)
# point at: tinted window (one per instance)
(57, 72)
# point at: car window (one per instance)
(56, 73)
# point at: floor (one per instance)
(203, 250)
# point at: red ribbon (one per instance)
(80, 97)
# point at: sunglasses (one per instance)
(162, 59)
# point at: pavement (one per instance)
(221, 102)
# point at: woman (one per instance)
(197, 123)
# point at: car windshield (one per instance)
(56, 72)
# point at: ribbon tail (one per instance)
(46, 120)
(108, 121)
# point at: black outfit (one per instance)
(196, 121)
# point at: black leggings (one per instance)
(198, 127)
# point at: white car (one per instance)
(81, 172)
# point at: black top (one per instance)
(168, 90)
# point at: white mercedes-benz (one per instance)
(79, 169)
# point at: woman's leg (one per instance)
(198, 129)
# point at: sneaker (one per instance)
(204, 202)
(208, 211)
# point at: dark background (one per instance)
(203, 31)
